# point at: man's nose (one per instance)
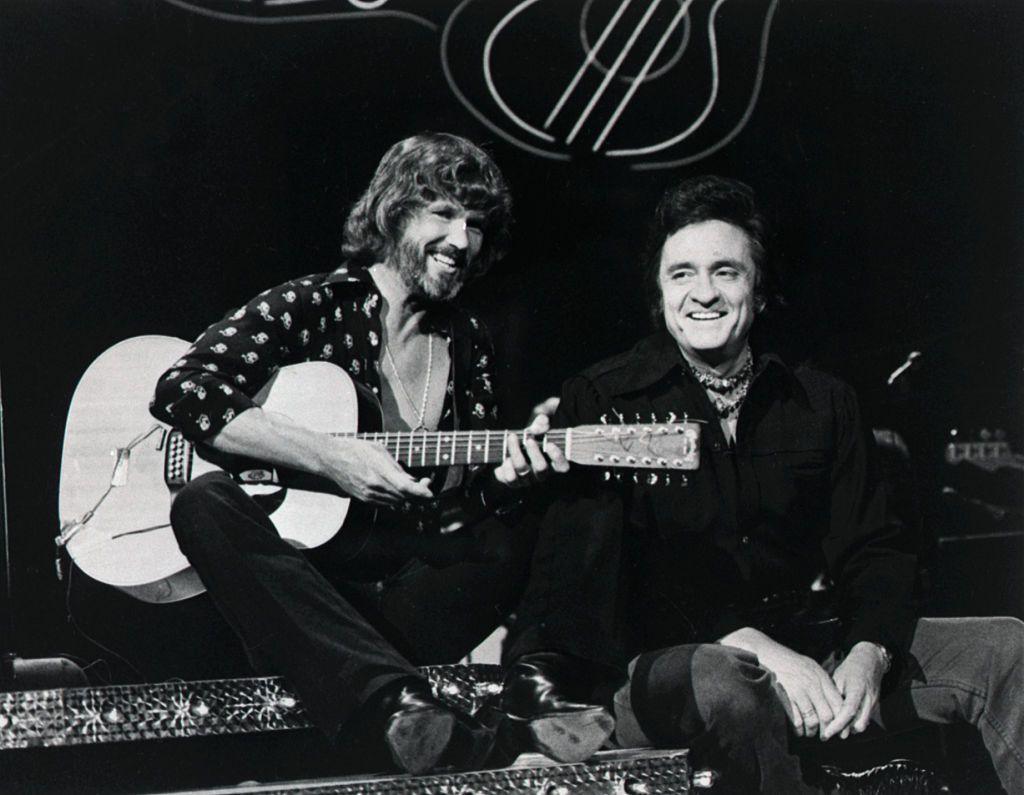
(458, 233)
(703, 291)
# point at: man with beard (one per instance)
(347, 623)
(700, 609)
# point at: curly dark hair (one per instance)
(706, 198)
(417, 171)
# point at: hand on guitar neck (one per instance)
(527, 462)
(362, 469)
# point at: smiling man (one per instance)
(347, 623)
(694, 613)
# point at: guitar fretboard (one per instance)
(447, 448)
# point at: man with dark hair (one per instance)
(696, 612)
(346, 623)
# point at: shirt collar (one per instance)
(357, 277)
(657, 357)
(349, 273)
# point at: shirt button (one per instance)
(379, 586)
(745, 540)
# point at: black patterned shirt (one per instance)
(334, 317)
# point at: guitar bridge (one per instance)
(177, 460)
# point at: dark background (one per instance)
(159, 167)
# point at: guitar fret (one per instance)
(423, 449)
(454, 437)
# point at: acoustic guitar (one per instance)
(121, 469)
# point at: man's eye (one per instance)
(679, 276)
(728, 273)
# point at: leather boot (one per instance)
(422, 733)
(543, 700)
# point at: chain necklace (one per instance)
(421, 412)
(726, 392)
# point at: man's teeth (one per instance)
(706, 315)
(443, 259)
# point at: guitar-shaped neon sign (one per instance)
(652, 83)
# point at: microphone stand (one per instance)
(17, 673)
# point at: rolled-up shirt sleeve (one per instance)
(219, 375)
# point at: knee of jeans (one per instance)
(1006, 638)
(194, 500)
(731, 688)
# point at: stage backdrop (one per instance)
(163, 161)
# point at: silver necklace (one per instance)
(421, 412)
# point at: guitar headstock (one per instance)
(665, 445)
(986, 449)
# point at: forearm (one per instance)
(274, 439)
(360, 468)
(747, 639)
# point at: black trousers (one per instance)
(335, 638)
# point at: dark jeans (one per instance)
(336, 639)
(720, 702)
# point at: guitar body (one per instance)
(127, 541)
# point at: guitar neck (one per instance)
(446, 448)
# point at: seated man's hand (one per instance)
(809, 695)
(859, 679)
(365, 471)
(526, 463)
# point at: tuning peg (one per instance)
(604, 419)
(607, 475)
(652, 479)
(684, 480)
(671, 416)
(618, 477)
(620, 417)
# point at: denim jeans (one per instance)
(717, 700)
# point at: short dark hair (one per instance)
(417, 171)
(709, 198)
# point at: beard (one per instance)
(429, 287)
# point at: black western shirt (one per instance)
(798, 494)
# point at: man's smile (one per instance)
(705, 315)
(447, 261)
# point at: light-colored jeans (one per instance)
(718, 699)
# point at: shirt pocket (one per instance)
(794, 473)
